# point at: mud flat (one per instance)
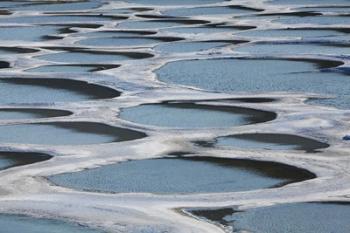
(261, 76)
(66, 133)
(191, 115)
(183, 175)
(322, 217)
(30, 90)
(268, 141)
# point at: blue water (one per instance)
(296, 33)
(11, 114)
(309, 2)
(205, 11)
(62, 69)
(116, 42)
(294, 218)
(7, 51)
(191, 116)
(12, 159)
(63, 133)
(270, 142)
(317, 20)
(27, 33)
(259, 75)
(47, 91)
(176, 175)
(186, 47)
(57, 7)
(59, 19)
(200, 30)
(84, 57)
(114, 33)
(21, 223)
(150, 24)
(173, 2)
(294, 49)
(326, 9)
